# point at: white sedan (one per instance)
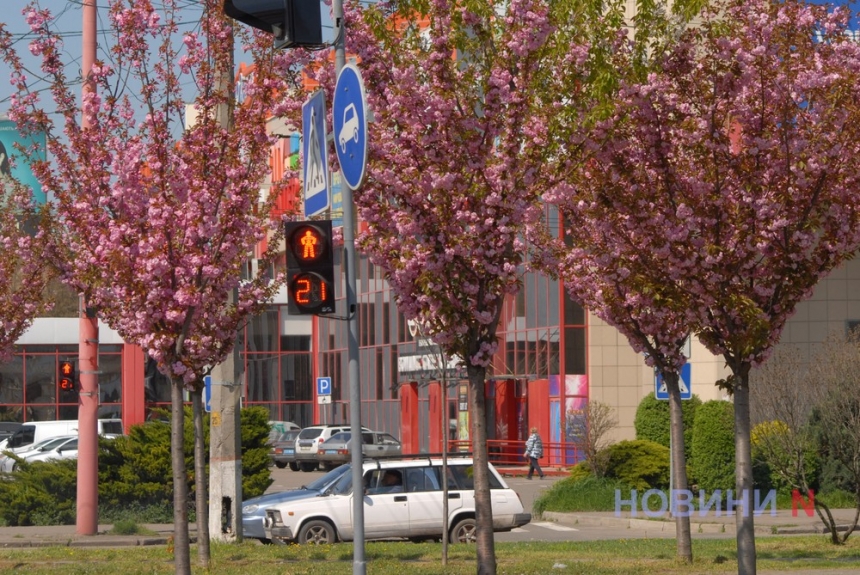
(9, 463)
(65, 449)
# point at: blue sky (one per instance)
(69, 24)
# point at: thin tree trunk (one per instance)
(486, 552)
(679, 467)
(181, 543)
(743, 476)
(201, 485)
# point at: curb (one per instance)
(668, 526)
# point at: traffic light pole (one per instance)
(359, 563)
(87, 501)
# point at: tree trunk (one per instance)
(679, 467)
(181, 543)
(201, 485)
(743, 476)
(486, 552)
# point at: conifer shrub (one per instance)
(135, 476)
(713, 453)
(641, 464)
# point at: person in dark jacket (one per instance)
(534, 451)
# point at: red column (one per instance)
(133, 392)
(538, 412)
(409, 434)
(437, 417)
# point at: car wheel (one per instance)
(308, 467)
(280, 464)
(294, 466)
(464, 531)
(316, 532)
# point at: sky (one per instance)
(69, 17)
(68, 23)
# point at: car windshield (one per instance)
(344, 486)
(327, 479)
(50, 444)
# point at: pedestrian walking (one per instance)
(534, 451)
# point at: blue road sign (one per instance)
(323, 386)
(315, 166)
(207, 393)
(661, 392)
(349, 117)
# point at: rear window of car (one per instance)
(114, 427)
(463, 477)
(310, 433)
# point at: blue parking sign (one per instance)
(323, 386)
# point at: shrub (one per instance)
(135, 476)
(640, 464)
(588, 494)
(652, 420)
(774, 456)
(713, 454)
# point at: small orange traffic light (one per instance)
(67, 376)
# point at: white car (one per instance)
(9, 463)
(402, 499)
(65, 449)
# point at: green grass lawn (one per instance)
(618, 557)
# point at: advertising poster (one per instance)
(19, 169)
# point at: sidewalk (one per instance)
(66, 535)
(783, 523)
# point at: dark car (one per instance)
(283, 450)
(254, 510)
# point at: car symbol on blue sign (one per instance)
(349, 116)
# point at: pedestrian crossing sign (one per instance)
(661, 392)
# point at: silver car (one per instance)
(254, 510)
(283, 452)
(336, 450)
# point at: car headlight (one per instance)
(249, 509)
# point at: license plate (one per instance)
(331, 452)
(288, 451)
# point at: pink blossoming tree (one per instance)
(455, 89)
(159, 217)
(722, 190)
(24, 264)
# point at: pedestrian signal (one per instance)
(310, 268)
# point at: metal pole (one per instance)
(87, 504)
(359, 564)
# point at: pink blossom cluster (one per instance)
(157, 215)
(723, 186)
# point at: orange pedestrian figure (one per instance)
(309, 243)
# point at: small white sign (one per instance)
(323, 399)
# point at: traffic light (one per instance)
(293, 23)
(66, 382)
(310, 268)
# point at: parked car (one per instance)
(336, 451)
(283, 450)
(402, 499)
(65, 449)
(9, 460)
(254, 510)
(8, 428)
(309, 440)
(278, 428)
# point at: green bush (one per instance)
(587, 494)
(652, 420)
(769, 455)
(135, 476)
(713, 454)
(640, 464)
